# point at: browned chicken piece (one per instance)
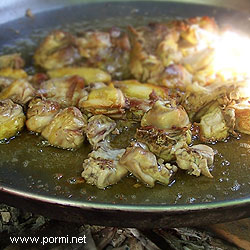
(153, 48)
(242, 117)
(143, 165)
(5, 82)
(196, 159)
(40, 113)
(12, 119)
(137, 108)
(197, 31)
(67, 91)
(37, 79)
(166, 115)
(13, 73)
(19, 91)
(90, 75)
(98, 128)
(109, 51)
(197, 98)
(66, 129)
(57, 50)
(163, 143)
(213, 125)
(13, 61)
(135, 89)
(108, 101)
(175, 76)
(159, 51)
(199, 60)
(101, 168)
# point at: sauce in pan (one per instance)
(27, 163)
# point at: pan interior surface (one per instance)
(28, 165)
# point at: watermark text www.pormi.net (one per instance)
(48, 240)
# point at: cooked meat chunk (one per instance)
(13, 61)
(196, 159)
(13, 73)
(5, 82)
(107, 100)
(137, 108)
(12, 119)
(163, 143)
(66, 129)
(143, 165)
(165, 115)
(197, 30)
(98, 128)
(213, 126)
(67, 91)
(40, 113)
(90, 75)
(56, 51)
(197, 97)
(199, 60)
(109, 51)
(175, 76)
(101, 168)
(37, 79)
(135, 89)
(153, 47)
(20, 91)
(242, 117)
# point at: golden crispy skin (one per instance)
(13, 73)
(12, 119)
(135, 89)
(107, 100)
(40, 113)
(66, 129)
(90, 75)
